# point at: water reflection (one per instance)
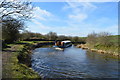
(73, 63)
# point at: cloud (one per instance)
(79, 11)
(78, 17)
(79, 6)
(39, 24)
(41, 14)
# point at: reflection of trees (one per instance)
(90, 55)
(97, 56)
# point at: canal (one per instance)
(73, 63)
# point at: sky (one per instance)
(74, 18)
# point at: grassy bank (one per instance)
(102, 43)
(16, 60)
(111, 50)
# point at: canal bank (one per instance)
(24, 56)
(101, 49)
(16, 59)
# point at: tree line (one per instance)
(50, 36)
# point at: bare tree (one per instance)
(13, 14)
(16, 9)
(104, 38)
(52, 36)
(92, 38)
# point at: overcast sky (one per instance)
(74, 18)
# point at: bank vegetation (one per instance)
(102, 42)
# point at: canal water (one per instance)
(73, 62)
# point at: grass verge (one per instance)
(13, 67)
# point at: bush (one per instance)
(24, 56)
(10, 29)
